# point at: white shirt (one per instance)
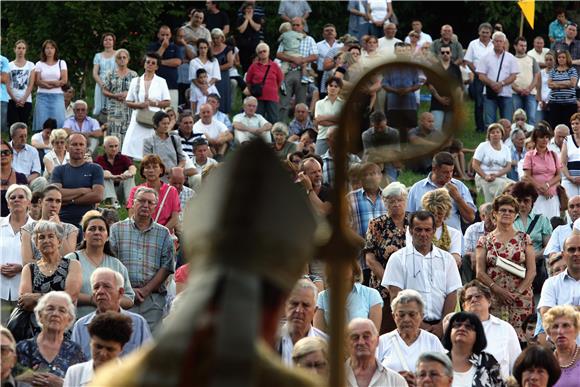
(477, 50)
(79, 375)
(19, 78)
(211, 131)
(463, 379)
(286, 344)
(10, 253)
(557, 239)
(492, 160)
(561, 289)
(323, 48)
(405, 358)
(382, 377)
(540, 58)
(387, 46)
(502, 343)
(489, 65)
(423, 38)
(46, 72)
(434, 275)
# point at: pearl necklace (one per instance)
(572, 361)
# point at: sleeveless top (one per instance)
(45, 284)
(573, 156)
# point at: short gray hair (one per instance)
(80, 102)
(498, 34)
(109, 138)
(262, 45)
(562, 126)
(48, 226)
(406, 296)
(142, 190)
(39, 308)
(16, 126)
(4, 331)
(395, 189)
(358, 320)
(280, 127)
(438, 357)
(250, 98)
(304, 283)
(15, 187)
(120, 281)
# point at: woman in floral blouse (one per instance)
(385, 235)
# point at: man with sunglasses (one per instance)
(441, 102)
(447, 39)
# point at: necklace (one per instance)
(48, 268)
(91, 260)
(5, 181)
(571, 361)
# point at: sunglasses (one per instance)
(445, 52)
(465, 324)
(6, 152)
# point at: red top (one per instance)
(171, 205)
(120, 165)
(274, 79)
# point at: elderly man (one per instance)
(177, 179)
(310, 176)
(216, 133)
(561, 233)
(82, 183)
(498, 70)
(194, 30)
(362, 367)
(108, 288)
(324, 46)
(447, 40)
(300, 122)
(288, 10)
(229, 314)
(118, 171)
(476, 51)
(505, 345)
(434, 369)
(293, 76)
(300, 308)
(171, 57)
(427, 269)
(539, 51)
(570, 44)
(89, 126)
(328, 159)
(524, 87)
(560, 133)
(387, 42)
(146, 249)
(442, 176)
(472, 235)
(25, 158)
(249, 124)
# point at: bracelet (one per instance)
(492, 285)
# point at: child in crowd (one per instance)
(291, 40)
(199, 94)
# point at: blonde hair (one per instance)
(493, 127)
(285, 27)
(437, 202)
(58, 134)
(566, 311)
(519, 112)
(308, 345)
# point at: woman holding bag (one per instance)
(506, 264)
(147, 94)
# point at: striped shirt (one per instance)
(145, 252)
(567, 95)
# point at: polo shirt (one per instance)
(255, 121)
(26, 160)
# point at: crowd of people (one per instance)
(442, 293)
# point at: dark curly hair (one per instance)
(112, 326)
(522, 190)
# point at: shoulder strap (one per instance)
(399, 353)
(266, 74)
(175, 147)
(500, 64)
(555, 162)
(162, 203)
(532, 224)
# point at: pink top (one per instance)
(182, 273)
(170, 206)
(544, 167)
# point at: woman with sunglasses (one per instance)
(465, 340)
(58, 154)
(9, 175)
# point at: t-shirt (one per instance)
(50, 73)
(567, 95)
(492, 160)
(84, 176)
(405, 358)
(4, 68)
(19, 79)
(216, 20)
(211, 131)
(462, 379)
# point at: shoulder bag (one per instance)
(257, 89)
(490, 94)
(144, 116)
(162, 203)
(560, 191)
(22, 323)
(509, 266)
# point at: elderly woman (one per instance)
(505, 262)
(449, 239)
(50, 354)
(8, 174)
(542, 168)
(168, 208)
(50, 207)
(504, 345)
(268, 74)
(115, 87)
(362, 301)
(52, 271)
(18, 198)
(491, 162)
(58, 155)
(95, 252)
(109, 333)
(562, 323)
(465, 340)
(281, 145)
(536, 366)
(147, 92)
(400, 349)
(385, 235)
(164, 144)
(311, 353)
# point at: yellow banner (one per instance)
(528, 9)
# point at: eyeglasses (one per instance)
(153, 62)
(445, 52)
(572, 250)
(6, 152)
(465, 324)
(473, 297)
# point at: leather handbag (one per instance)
(144, 116)
(510, 267)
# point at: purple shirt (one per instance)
(88, 125)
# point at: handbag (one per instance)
(489, 93)
(22, 323)
(257, 89)
(509, 266)
(560, 191)
(144, 116)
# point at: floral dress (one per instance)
(513, 250)
(29, 357)
(118, 113)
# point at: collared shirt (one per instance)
(561, 289)
(556, 30)
(423, 38)
(200, 167)
(121, 163)
(394, 353)
(516, 156)
(224, 119)
(296, 127)
(361, 299)
(185, 195)
(487, 370)
(25, 161)
(504, 344)
(434, 276)
(573, 48)
(168, 149)
(398, 78)
(140, 335)
(362, 209)
(327, 107)
(286, 345)
(543, 167)
(489, 66)
(421, 187)
(541, 229)
(477, 50)
(472, 235)
(10, 253)
(323, 48)
(79, 375)
(307, 47)
(143, 252)
(456, 48)
(381, 378)
(557, 239)
(255, 121)
(328, 166)
(88, 125)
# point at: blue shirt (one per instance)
(556, 242)
(140, 335)
(399, 78)
(358, 303)
(362, 209)
(513, 174)
(4, 68)
(166, 72)
(421, 187)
